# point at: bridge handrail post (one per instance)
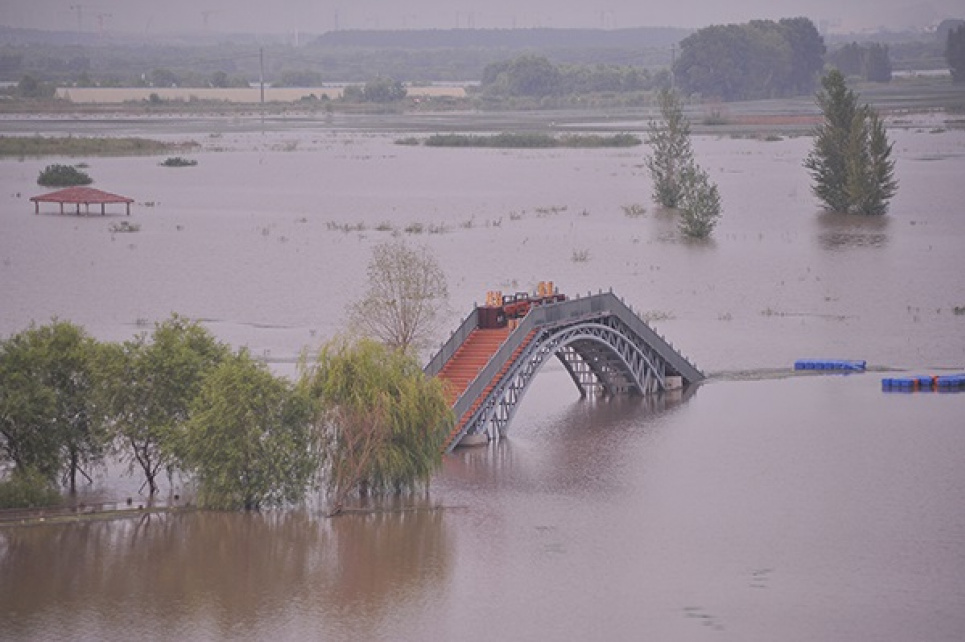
(456, 339)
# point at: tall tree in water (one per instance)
(152, 386)
(382, 421)
(49, 422)
(671, 152)
(850, 162)
(249, 440)
(407, 291)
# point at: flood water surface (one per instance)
(756, 506)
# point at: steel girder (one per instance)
(600, 354)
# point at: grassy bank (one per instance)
(86, 146)
(508, 140)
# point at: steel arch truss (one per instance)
(601, 356)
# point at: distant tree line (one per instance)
(536, 76)
(869, 61)
(760, 59)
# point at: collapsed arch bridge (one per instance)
(491, 359)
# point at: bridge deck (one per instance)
(470, 358)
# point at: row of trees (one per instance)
(760, 59)
(361, 416)
(869, 61)
(850, 162)
(535, 76)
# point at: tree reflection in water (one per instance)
(237, 575)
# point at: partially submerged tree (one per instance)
(699, 204)
(850, 161)
(671, 152)
(407, 291)
(249, 439)
(382, 422)
(678, 182)
(151, 387)
(48, 419)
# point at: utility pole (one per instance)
(261, 83)
(261, 75)
(673, 63)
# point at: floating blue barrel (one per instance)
(944, 383)
(830, 364)
(951, 381)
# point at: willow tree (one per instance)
(407, 290)
(382, 421)
(249, 441)
(850, 162)
(671, 152)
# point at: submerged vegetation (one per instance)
(86, 146)
(509, 140)
(63, 176)
(178, 161)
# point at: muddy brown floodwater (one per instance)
(758, 506)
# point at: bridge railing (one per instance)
(456, 339)
(660, 345)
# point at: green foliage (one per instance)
(63, 176)
(383, 420)
(671, 152)
(699, 204)
(28, 489)
(383, 90)
(536, 77)
(955, 53)
(85, 146)
(678, 182)
(761, 59)
(150, 388)
(30, 87)
(526, 75)
(249, 439)
(179, 161)
(49, 422)
(869, 61)
(850, 161)
(406, 293)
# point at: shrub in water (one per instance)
(63, 176)
(178, 161)
(27, 489)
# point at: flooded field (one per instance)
(758, 507)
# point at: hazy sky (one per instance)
(317, 16)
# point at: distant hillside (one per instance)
(638, 38)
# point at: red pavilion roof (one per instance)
(85, 195)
